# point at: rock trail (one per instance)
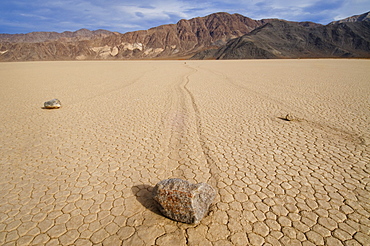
(202, 140)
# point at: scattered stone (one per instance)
(54, 103)
(182, 201)
(289, 117)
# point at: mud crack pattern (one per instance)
(83, 174)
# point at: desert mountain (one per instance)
(174, 40)
(282, 39)
(216, 36)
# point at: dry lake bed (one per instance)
(83, 174)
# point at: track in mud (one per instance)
(187, 145)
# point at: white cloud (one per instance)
(302, 10)
(160, 10)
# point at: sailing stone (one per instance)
(54, 103)
(182, 201)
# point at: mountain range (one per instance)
(216, 36)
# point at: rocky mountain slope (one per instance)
(216, 36)
(282, 39)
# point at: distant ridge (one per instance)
(355, 18)
(37, 37)
(216, 36)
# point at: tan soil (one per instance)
(82, 174)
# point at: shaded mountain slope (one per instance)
(283, 39)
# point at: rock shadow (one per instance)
(143, 194)
(283, 118)
(49, 108)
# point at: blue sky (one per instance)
(23, 16)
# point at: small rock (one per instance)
(290, 117)
(182, 201)
(55, 103)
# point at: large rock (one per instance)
(54, 103)
(182, 201)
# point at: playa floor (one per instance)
(83, 174)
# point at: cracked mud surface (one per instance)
(83, 174)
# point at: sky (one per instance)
(23, 16)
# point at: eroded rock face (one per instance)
(182, 201)
(54, 103)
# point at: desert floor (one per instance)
(83, 174)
